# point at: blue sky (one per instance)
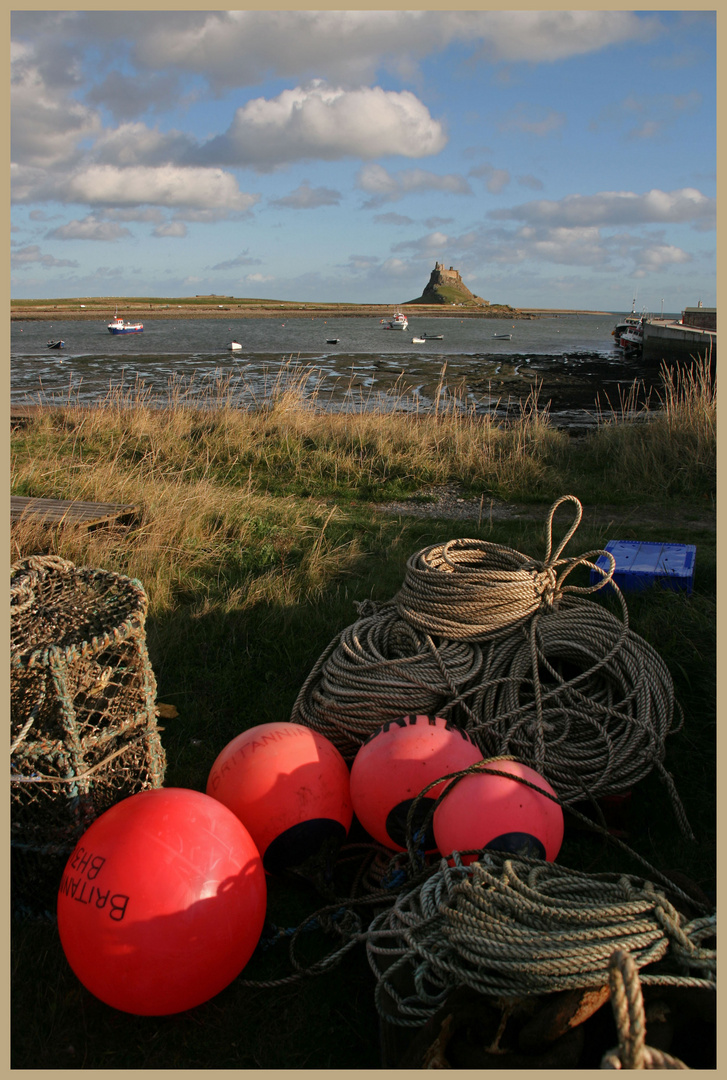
(555, 158)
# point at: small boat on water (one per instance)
(504, 337)
(398, 321)
(433, 337)
(234, 346)
(418, 340)
(332, 341)
(118, 326)
(55, 344)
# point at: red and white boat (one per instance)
(632, 338)
(118, 326)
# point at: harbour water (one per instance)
(571, 359)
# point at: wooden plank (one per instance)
(62, 511)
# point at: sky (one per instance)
(555, 158)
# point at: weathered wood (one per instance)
(64, 511)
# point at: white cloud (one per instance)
(393, 219)
(495, 179)
(480, 249)
(547, 36)
(47, 125)
(137, 144)
(656, 257)
(257, 279)
(240, 260)
(171, 229)
(530, 181)
(32, 254)
(167, 185)
(307, 198)
(326, 123)
(127, 96)
(238, 48)
(384, 186)
(426, 247)
(90, 228)
(615, 208)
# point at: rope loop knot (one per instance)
(472, 590)
(628, 1009)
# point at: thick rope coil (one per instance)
(380, 668)
(503, 646)
(512, 927)
(628, 1009)
(470, 589)
(596, 731)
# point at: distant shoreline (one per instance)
(93, 310)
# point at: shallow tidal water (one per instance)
(571, 359)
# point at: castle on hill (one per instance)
(446, 287)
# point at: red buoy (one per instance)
(395, 764)
(289, 786)
(496, 812)
(162, 902)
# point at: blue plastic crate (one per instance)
(642, 563)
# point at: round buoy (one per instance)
(162, 902)
(289, 785)
(496, 812)
(395, 764)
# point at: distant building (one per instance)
(705, 318)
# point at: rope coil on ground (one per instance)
(512, 927)
(500, 644)
(471, 590)
(598, 730)
(379, 668)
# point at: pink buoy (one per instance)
(395, 764)
(496, 812)
(289, 786)
(162, 902)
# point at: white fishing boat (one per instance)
(627, 323)
(632, 339)
(118, 326)
(234, 346)
(398, 321)
(418, 340)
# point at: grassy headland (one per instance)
(258, 530)
(225, 307)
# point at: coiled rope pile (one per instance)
(511, 927)
(499, 643)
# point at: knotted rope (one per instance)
(511, 927)
(471, 590)
(628, 1009)
(501, 644)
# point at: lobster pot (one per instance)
(83, 721)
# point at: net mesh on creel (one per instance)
(83, 722)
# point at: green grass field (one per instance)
(258, 533)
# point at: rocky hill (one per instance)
(446, 287)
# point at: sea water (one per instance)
(570, 359)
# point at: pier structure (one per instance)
(694, 335)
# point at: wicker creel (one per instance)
(84, 728)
